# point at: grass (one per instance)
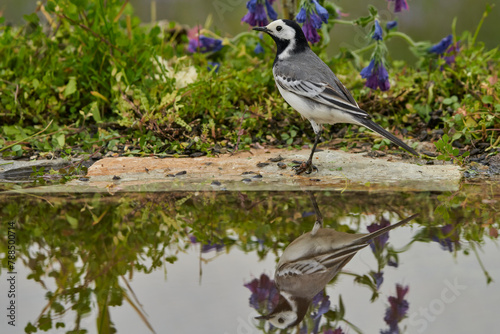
(99, 80)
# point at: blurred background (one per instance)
(426, 19)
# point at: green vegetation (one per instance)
(93, 78)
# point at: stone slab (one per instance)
(338, 170)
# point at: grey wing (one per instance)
(345, 91)
(301, 267)
(332, 260)
(323, 93)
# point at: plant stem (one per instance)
(344, 22)
(20, 141)
(366, 48)
(485, 14)
(402, 35)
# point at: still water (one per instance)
(205, 262)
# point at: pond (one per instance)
(186, 262)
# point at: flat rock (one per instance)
(258, 170)
(337, 170)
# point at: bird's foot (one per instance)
(304, 166)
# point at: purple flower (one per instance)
(441, 47)
(270, 11)
(322, 12)
(397, 310)
(377, 244)
(323, 301)
(392, 263)
(210, 246)
(399, 5)
(451, 53)
(377, 34)
(310, 32)
(376, 76)
(264, 296)
(315, 21)
(378, 277)
(204, 44)
(301, 16)
(258, 49)
(336, 331)
(391, 24)
(312, 19)
(447, 236)
(256, 15)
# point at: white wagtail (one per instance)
(309, 263)
(311, 88)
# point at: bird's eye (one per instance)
(281, 320)
(278, 28)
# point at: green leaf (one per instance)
(373, 11)
(341, 307)
(363, 21)
(94, 110)
(51, 6)
(70, 87)
(31, 18)
(61, 140)
(487, 99)
(72, 221)
(16, 148)
(30, 328)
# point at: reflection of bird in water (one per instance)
(309, 263)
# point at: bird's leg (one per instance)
(319, 217)
(307, 166)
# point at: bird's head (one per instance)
(289, 312)
(287, 35)
(281, 318)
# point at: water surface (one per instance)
(185, 262)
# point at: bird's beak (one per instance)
(264, 29)
(263, 317)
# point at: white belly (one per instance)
(317, 113)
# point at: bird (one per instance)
(311, 88)
(311, 261)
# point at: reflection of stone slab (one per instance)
(337, 170)
(16, 170)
